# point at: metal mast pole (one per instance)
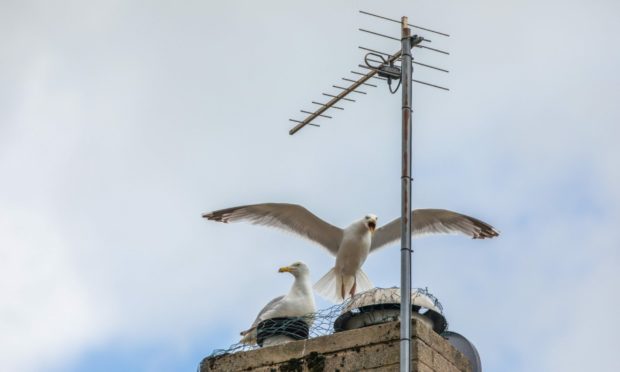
(405, 250)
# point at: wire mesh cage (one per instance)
(375, 306)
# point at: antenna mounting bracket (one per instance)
(387, 71)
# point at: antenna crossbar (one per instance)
(414, 62)
(297, 121)
(343, 88)
(323, 104)
(409, 24)
(374, 77)
(353, 81)
(309, 112)
(414, 80)
(378, 34)
(433, 49)
(386, 36)
(341, 96)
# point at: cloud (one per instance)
(121, 124)
(45, 310)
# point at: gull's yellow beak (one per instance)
(372, 225)
(285, 269)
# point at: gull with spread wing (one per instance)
(352, 244)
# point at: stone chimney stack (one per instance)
(374, 348)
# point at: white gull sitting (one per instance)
(299, 302)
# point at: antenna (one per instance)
(378, 65)
(390, 67)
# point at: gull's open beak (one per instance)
(372, 225)
(285, 269)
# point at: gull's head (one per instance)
(296, 269)
(370, 220)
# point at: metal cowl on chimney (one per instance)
(382, 305)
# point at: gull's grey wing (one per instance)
(290, 217)
(434, 221)
(270, 306)
(273, 303)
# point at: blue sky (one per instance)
(121, 122)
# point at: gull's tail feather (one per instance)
(329, 286)
(363, 282)
(336, 288)
(248, 337)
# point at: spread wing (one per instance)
(434, 221)
(290, 217)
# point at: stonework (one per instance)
(374, 348)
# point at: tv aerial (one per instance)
(396, 69)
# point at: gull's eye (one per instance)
(367, 217)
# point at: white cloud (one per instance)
(46, 314)
(119, 129)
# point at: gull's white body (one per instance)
(299, 301)
(354, 248)
(347, 274)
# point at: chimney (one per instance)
(373, 348)
(365, 336)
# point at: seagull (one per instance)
(352, 244)
(299, 302)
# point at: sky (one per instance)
(121, 122)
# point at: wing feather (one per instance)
(270, 306)
(273, 304)
(290, 217)
(434, 221)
